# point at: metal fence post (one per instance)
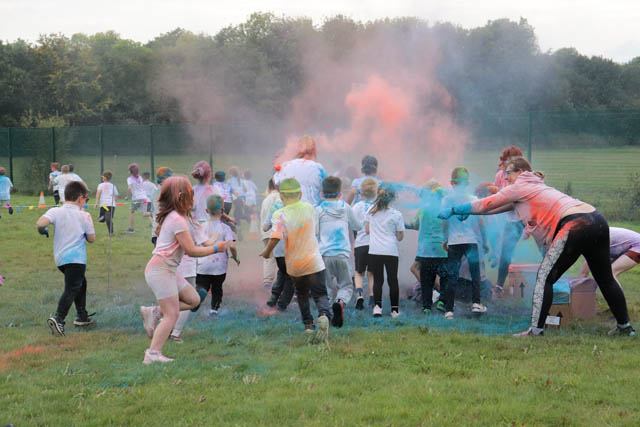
(10, 157)
(211, 147)
(153, 169)
(53, 144)
(530, 129)
(101, 141)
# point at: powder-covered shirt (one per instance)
(72, 225)
(334, 225)
(149, 188)
(5, 188)
(237, 184)
(360, 210)
(52, 176)
(108, 195)
(266, 212)
(537, 205)
(136, 187)
(188, 265)
(251, 192)
(224, 190)
(295, 224)
(430, 236)
(623, 240)
(308, 173)
(216, 264)
(278, 251)
(62, 181)
(357, 184)
(201, 193)
(167, 245)
(383, 226)
(460, 232)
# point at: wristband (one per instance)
(216, 248)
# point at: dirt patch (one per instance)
(15, 355)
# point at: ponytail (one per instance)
(521, 164)
(386, 194)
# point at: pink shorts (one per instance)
(163, 279)
(635, 256)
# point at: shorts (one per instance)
(635, 256)
(361, 254)
(149, 207)
(163, 280)
(138, 205)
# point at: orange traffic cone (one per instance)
(253, 228)
(41, 203)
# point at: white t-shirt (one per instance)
(137, 188)
(107, 195)
(62, 180)
(251, 193)
(72, 225)
(360, 210)
(460, 232)
(167, 246)
(308, 173)
(383, 226)
(201, 193)
(149, 188)
(52, 178)
(216, 264)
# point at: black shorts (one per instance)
(361, 254)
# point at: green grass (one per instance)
(247, 370)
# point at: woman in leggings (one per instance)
(564, 228)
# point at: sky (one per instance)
(594, 27)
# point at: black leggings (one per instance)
(108, 217)
(213, 282)
(510, 237)
(282, 290)
(429, 268)
(75, 291)
(580, 234)
(312, 284)
(456, 252)
(377, 265)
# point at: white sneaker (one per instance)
(148, 320)
(395, 314)
(151, 356)
(377, 311)
(478, 308)
(448, 315)
(322, 334)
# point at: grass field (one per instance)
(243, 369)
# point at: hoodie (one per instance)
(538, 206)
(335, 220)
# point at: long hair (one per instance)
(202, 172)
(176, 195)
(521, 164)
(386, 194)
(509, 153)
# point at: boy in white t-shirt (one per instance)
(73, 227)
(149, 189)
(106, 195)
(138, 194)
(55, 172)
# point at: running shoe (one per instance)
(322, 334)
(84, 320)
(395, 313)
(440, 306)
(176, 338)
(338, 314)
(448, 315)
(360, 303)
(377, 311)
(57, 327)
(130, 230)
(426, 311)
(628, 331)
(478, 308)
(152, 356)
(529, 333)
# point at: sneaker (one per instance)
(360, 303)
(272, 301)
(57, 327)
(377, 311)
(176, 338)
(148, 320)
(338, 314)
(131, 230)
(426, 311)
(101, 218)
(322, 334)
(10, 210)
(84, 320)
(448, 315)
(529, 333)
(213, 314)
(440, 306)
(152, 356)
(395, 313)
(478, 308)
(628, 331)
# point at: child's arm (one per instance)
(41, 226)
(98, 193)
(266, 253)
(354, 224)
(399, 235)
(185, 240)
(234, 254)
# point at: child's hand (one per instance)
(445, 213)
(44, 231)
(95, 206)
(222, 246)
(236, 260)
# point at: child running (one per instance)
(107, 195)
(212, 270)
(368, 191)
(55, 172)
(149, 189)
(269, 264)
(73, 227)
(431, 256)
(335, 223)
(137, 194)
(295, 224)
(224, 189)
(5, 191)
(461, 240)
(386, 228)
(173, 293)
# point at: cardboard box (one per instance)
(583, 297)
(522, 280)
(559, 316)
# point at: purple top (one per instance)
(621, 241)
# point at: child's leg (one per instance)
(415, 270)
(203, 285)
(287, 292)
(319, 293)
(169, 308)
(342, 273)
(109, 218)
(80, 300)
(391, 266)
(216, 290)
(473, 258)
(376, 264)
(131, 215)
(73, 283)
(301, 285)
(268, 267)
(427, 279)
(370, 282)
(453, 268)
(510, 238)
(184, 314)
(329, 274)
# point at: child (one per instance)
(72, 227)
(162, 174)
(461, 240)
(212, 270)
(149, 189)
(386, 228)
(369, 169)
(251, 194)
(55, 172)
(368, 190)
(269, 264)
(5, 191)
(335, 223)
(137, 194)
(171, 290)
(107, 195)
(62, 180)
(295, 224)
(202, 190)
(224, 189)
(431, 256)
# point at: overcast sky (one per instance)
(595, 27)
